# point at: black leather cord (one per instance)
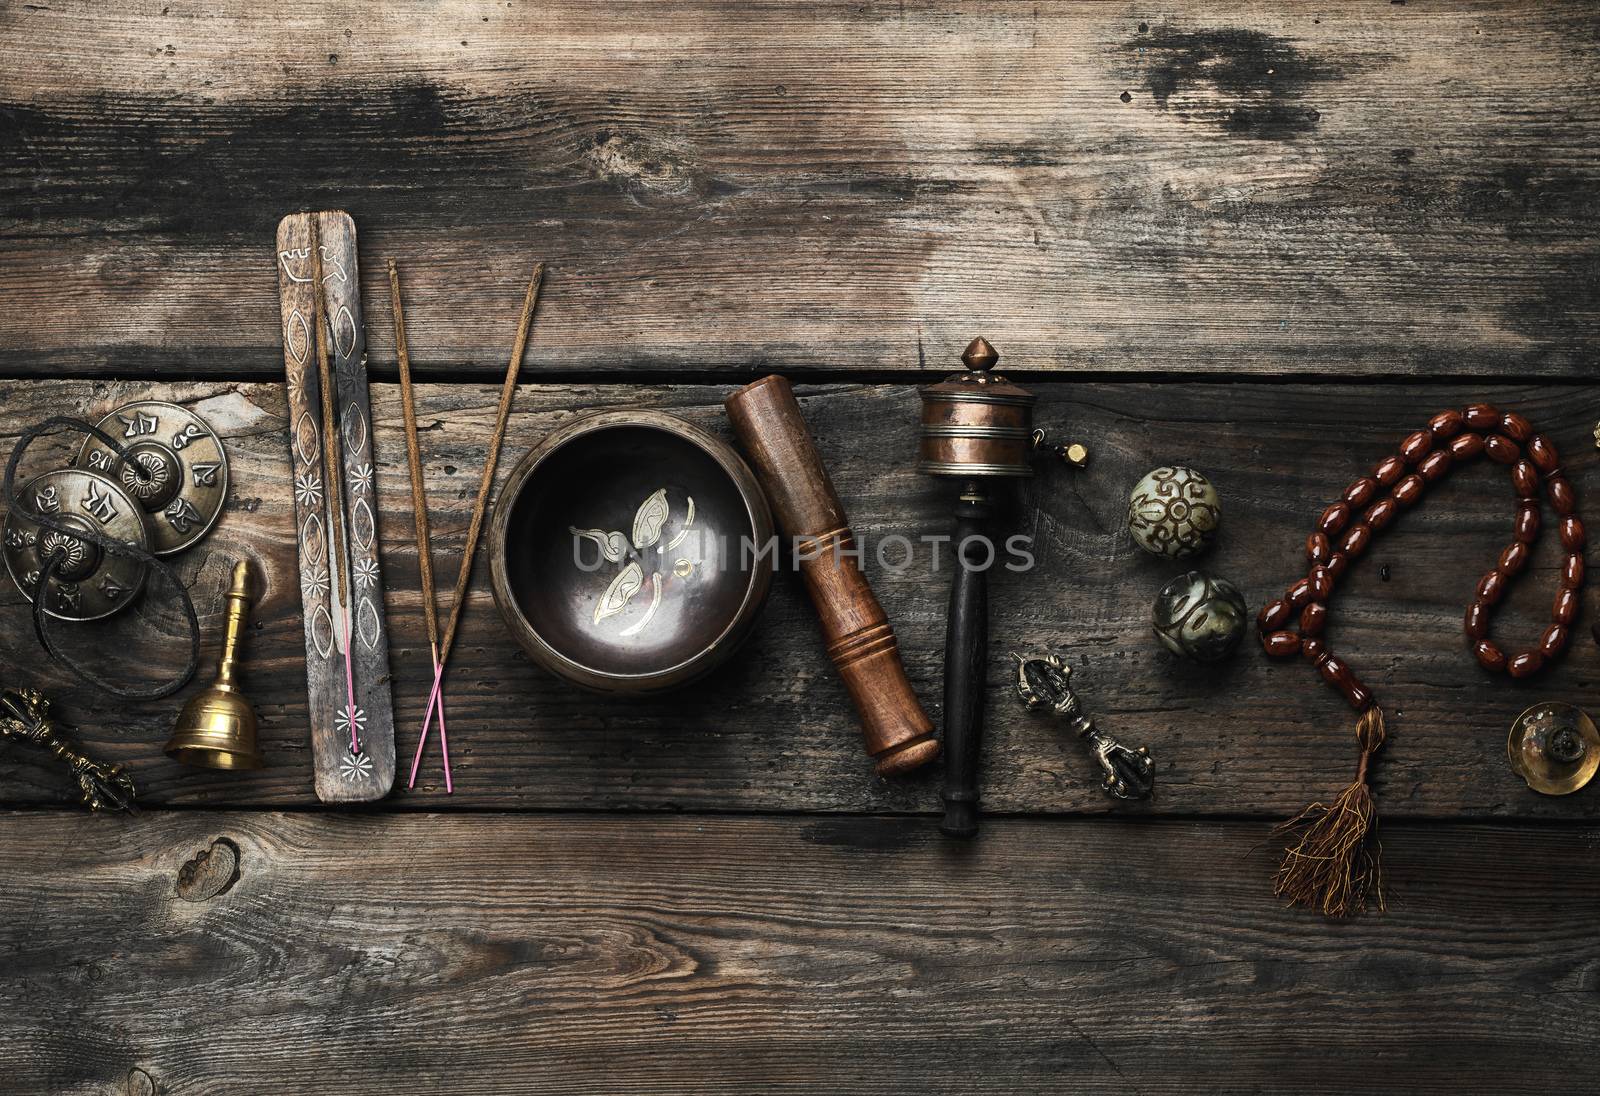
(110, 547)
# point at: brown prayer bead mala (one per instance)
(1331, 867)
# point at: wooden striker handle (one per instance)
(861, 643)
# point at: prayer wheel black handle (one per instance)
(966, 656)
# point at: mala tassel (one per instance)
(1335, 865)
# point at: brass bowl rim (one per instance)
(711, 654)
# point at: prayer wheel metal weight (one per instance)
(976, 427)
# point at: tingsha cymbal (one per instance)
(88, 583)
(1554, 747)
(175, 467)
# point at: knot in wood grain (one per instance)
(210, 872)
(652, 170)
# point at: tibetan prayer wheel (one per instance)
(977, 423)
(976, 427)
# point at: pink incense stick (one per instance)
(350, 686)
(435, 701)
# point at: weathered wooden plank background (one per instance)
(1218, 187)
(1265, 239)
(266, 953)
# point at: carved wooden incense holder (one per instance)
(341, 581)
(861, 643)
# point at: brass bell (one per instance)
(1554, 747)
(217, 729)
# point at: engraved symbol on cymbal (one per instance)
(182, 515)
(139, 424)
(98, 504)
(191, 432)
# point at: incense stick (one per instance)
(419, 507)
(333, 469)
(464, 575)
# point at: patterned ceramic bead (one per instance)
(1199, 617)
(1174, 512)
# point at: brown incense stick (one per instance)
(333, 469)
(507, 390)
(419, 502)
(464, 575)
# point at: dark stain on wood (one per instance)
(868, 834)
(1248, 82)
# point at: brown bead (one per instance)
(1336, 565)
(1314, 618)
(1481, 416)
(1490, 657)
(1501, 449)
(1572, 535)
(1298, 594)
(1433, 466)
(1526, 528)
(1515, 427)
(1359, 696)
(1565, 608)
(1572, 571)
(1543, 454)
(1359, 493)
(1562, 499)
(1445, 425)
(1321, 582)
(1477, 623)
(1526, 664)
(1388, 470)
(1333, 670)
(1317, 548)
(1491, 588)
(1525, 480)
(1553, 641)
(1355, 540)
(1380, 513)
(1273, 614)
(1334, 519)
(1513, 559)
(1464, 447)
(1280, 644)
(1416, 446)
(1409, 490)
(1312, 647)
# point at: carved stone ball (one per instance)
(1199, 617)
(1174, 512)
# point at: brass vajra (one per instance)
(25, 717)
(1044, 682)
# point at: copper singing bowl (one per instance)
(623, 551)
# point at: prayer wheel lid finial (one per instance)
(979, 355)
